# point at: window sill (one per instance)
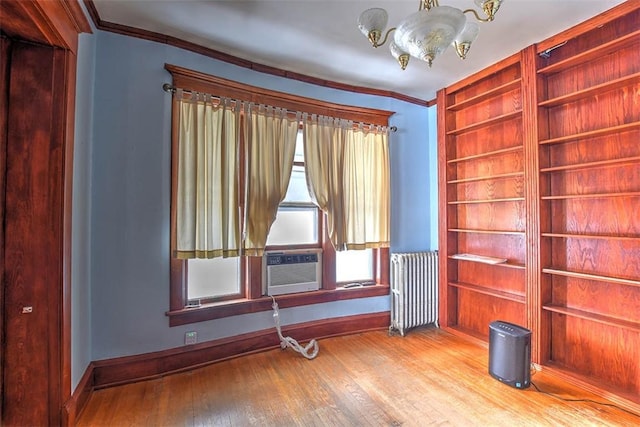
(244, 306)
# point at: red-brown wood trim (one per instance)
(68, 118)
(381, 266)
(221, 56)
(233, 308)
(54, 23)
(594, 22)
(443, 249)
(201, 82)
(130, 369)
(486, 72)
(253, 277)
(5, 49)
(532, 197)
(77, 402)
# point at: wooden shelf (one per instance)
(510, 296)
(486, 177)
(592, 196)
(502, 232)
(593, 53)
(588, 276)
(502, 264)
(594, 317)
(471, 202)
(592, 134)
(593, 90)
(498, 90)
(564, 171)
(487, 154)
(591, 236)
(589, 165)
(484, 123)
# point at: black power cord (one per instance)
(584, 400)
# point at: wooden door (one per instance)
(33, 201)
(4, 79)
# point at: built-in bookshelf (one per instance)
(483, 181)
(589, 147)
(539, 170)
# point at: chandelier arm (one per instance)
(386, 35)
(477, 16)
(428, 4)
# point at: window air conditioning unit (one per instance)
(291, 271)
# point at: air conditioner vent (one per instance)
(292, 271)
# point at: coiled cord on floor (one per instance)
(309, 351)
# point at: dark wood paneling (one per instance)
(5, 47)
(33, 240)
(135, 368)
(54, 23)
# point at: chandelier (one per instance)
(428, 32)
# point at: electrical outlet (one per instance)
(190, 338)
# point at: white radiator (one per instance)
(414, 290)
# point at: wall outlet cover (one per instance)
(190, 338)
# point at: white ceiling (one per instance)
(319, 38)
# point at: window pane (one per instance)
(294, 225)
(299, 156)
(356, 265)
(297, 192)
(213, 277)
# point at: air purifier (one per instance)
(510, 354)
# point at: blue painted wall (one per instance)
(81, 212)
(130, 203)
(433, 176)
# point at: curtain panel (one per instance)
(348, 177)
(270, 135)
(208, 213)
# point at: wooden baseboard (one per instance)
(626, 401)
(129, 369)
(79, 398)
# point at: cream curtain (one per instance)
(348, 176)
(208, 213)
(270, 136)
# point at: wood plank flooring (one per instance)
(427, 378)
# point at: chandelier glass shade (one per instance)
(427, 33)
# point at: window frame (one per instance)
(250, 298)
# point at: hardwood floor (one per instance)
(428, 377)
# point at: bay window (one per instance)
(223, 276)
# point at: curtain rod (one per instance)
(172, 89)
